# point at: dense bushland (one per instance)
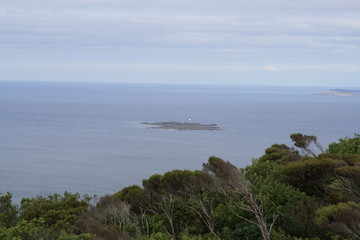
(298, 192)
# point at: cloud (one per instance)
(199, 3)
(228, 35)
(150, 28)
(271, 68)
(189, 66)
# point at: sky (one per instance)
(245, 42)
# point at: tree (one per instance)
(29, 230)
(177, 196)
(342, 218)
(111, 218)
(280, 153)
(8, 211)
(346, 146)
(312, 175)
(89, 223)
(85, 236)
(305, 142)
(238, 190)
(203, 204)
(295, 209)
(137, 197)
(59, 212)
(113, 211)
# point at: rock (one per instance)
(183, 126)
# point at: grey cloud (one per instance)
(154, 27)
(181, 34)
(203, 3)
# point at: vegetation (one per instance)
(346, 146)
(297, 192)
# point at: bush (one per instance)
(346, 146)
(342, 218)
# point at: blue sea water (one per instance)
(88, 137)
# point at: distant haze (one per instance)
(258, 42)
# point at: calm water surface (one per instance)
(88, 137)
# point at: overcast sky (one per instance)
(254, 42)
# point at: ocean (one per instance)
(88, 137)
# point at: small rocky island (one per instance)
(340, 92)
(182, 126)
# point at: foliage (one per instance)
(85, 236)
(342, 218)
(58, 212)
(351, 159)
(349, 172)
(326, 214)
(305, 143)
(346, 146)
(294, 208)
(280, 153)
(26, 230)
(240, 193)
(288, 193)
(156, 236)
(177, 181)
(108, 220)
(8, 211)
(312, 175)
(136, 196)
